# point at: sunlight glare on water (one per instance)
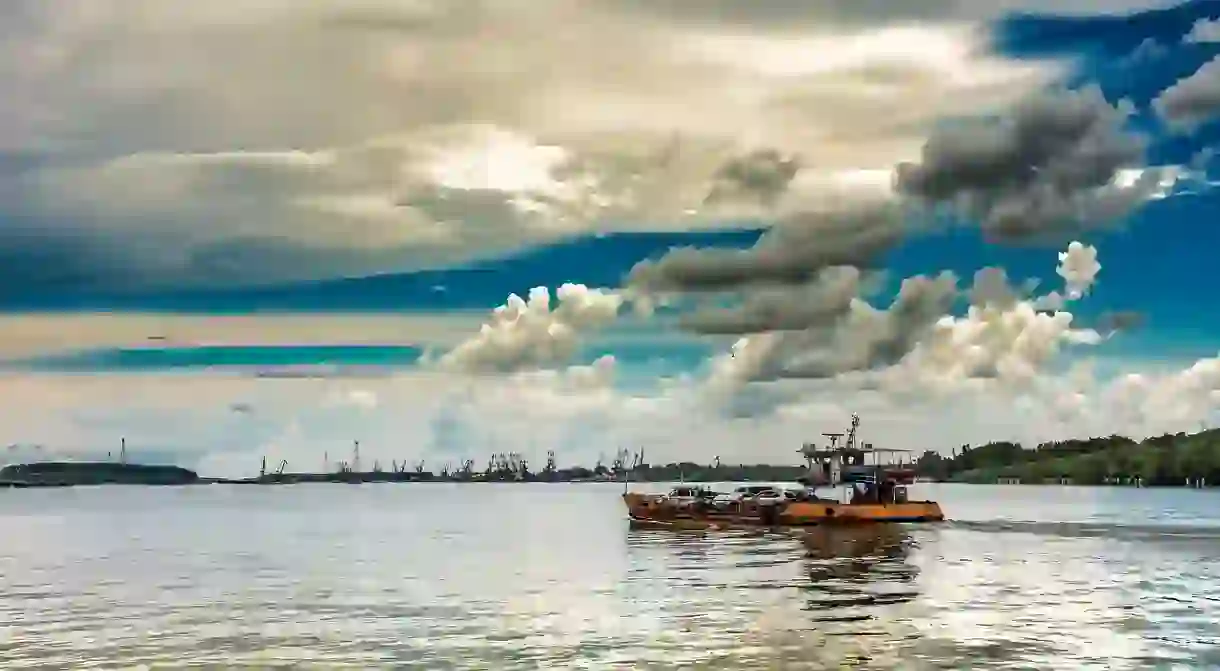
(528, 576)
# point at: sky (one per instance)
(707, 228)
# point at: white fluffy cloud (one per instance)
(529, 333)
(334, 137)
(1002, 342)
(1078, 267)
(1204, 31)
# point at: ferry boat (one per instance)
(863, 493)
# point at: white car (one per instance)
(773, 496)
(758, 493)
(685, 495)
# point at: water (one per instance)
(438, 576)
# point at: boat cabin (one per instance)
(859, 468)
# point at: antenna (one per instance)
(851, 435)
(122, 450)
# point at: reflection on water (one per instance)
(524, 577)
(854, 568)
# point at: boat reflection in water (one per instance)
(828, 596)
(872, 542)
(853, 569)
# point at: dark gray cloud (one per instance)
(38, 258)
(42, 259)
(1193, 100)
(792, 253)
(762, 175)
(824, 300)
(863, 338)
(1042, 170)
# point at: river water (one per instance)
(498, 577)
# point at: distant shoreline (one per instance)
(1169, 461)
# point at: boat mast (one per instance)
(835, 460)
(851, 435)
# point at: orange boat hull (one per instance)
(648, 508)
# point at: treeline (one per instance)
(1168, 460)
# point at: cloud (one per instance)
(915, 346)
(792, 252)
(989, 345)
(525, 334)
(780, 16)
(825, 299)
(1193, 100)
(24, 336)
(1078, 266)
(857, 338)
(1204, 31)
(1010, 342)
(285, 140)
(1046, 168)
(763, 174)
(991, 286)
